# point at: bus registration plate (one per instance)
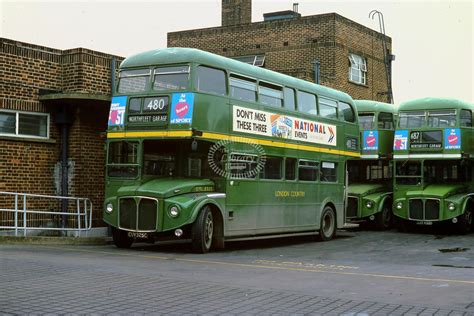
(427, 223)
(138, 235)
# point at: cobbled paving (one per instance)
(35, 288)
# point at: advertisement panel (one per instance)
(452, 138)
(117, 111)
(371, 140)
(282, 126)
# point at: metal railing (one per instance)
(27, 213)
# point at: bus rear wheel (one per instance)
(203, 231)
(327, 230)
(121, 239)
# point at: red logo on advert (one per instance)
(370, 141)
(452, 139)
(181, 109)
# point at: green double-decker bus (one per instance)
(370, 177)
(209, 149)
(433, 154)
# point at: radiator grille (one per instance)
(416, 209)
(432, 209)
(138, 215)
(352, 207)
(424, 209)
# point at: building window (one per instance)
(254, 60)
(15, 123)
(358, 69)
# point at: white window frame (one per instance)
(254, 60)
(359, 65)
(17, 124)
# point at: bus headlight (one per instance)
(399, 205)
(451, 206)
(109, 208)
(174, 211)
(369, 204)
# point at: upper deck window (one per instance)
(327, 108)
(412, 119)
(366, 121)
(466, 118)
(346, 111)
(131, 81)
(211, 80)
(270, 95)
(243, 89)
(171, 78)
(307, 103)
(385, 121)
(289, 97)
(442, 118)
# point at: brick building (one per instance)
(54, 103)
(350, 55)
(54, 106)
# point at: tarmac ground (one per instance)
(358, 273)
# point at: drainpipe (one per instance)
(317, 71)
(64, 120)
(112, 72)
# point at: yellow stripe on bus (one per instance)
(232, 138)
(149, 134)
(279, 144)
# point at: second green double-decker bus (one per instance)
(210, 149)
(433, 154)
(370, 177)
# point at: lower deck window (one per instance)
(308, 170)
(243, 166)
(328, 172)
(272, 168)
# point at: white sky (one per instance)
(432, 40)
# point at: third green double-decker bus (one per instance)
(370, 177)
(211, 149)
(433, 155)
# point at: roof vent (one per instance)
(282, 15)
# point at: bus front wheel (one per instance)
(383, 219)
(465, 222)
(203, 231)
(121, 239)
(327, 230)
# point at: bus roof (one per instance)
(186, 55)
(374, 106)
(435, 104)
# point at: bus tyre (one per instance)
(121, 239)
(465, 222)
(203, 231)
(327, 230)
(383, 219)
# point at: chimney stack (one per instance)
(235, 12)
